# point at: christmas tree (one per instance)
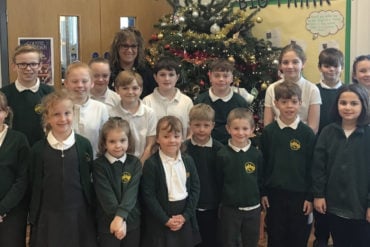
(196, 33)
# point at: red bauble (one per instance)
(154, 37)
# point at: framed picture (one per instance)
(46, 73)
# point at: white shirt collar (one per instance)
(237, 149)
(22, 88)
(112, 159)
(160, 96)
(207, 144)
(169, 159)
(225, 98)
(336, 86)
(67, 143)
(3, 134)
(139, 112)
(293, 125)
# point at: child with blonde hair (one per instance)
(89, 114)
(62, 195)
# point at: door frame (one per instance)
(4, 44)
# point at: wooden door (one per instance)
(98, 22)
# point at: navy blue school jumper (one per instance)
(209, 199)
(14, 152)
(287, 155)
(61, 209)
(157, 208)
(341, 175)
(222, 109)
(26, 106)
(117, 186)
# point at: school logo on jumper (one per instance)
(38, 108)
(126, 177)
(295, 144)
(249, 167)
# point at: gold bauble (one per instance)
(264, 86)
(259, 19)
(231, 59)
(160, 36)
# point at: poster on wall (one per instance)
(46, 73)
(312, 24)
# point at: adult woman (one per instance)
(127, 53)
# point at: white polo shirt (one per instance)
(142, 124)
(179, 106)
(88, 119)
(310, 96)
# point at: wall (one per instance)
(99, 20)
(360, 29)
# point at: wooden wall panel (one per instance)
(99, 20)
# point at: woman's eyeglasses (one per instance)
(126, 46)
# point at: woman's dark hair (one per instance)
(122, 36)
(362, 94)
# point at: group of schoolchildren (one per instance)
(109, 169)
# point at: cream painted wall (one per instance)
(360, 28)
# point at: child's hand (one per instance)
(121, 233)
(116, 224)
(320, 205)
(174, 224)
(307, 207)
(179, 219)
(368, 215)
(265, 202)
(2, 217)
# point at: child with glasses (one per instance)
(100, 75)
(25, 94)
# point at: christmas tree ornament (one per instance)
(231, 59)
(215, 28)
(195, 14)
(154, 37)
(264, 86)
(181, 19)
(160, 36)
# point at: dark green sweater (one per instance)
(155, 194)
(27, 111)
(222, 109)
(85, 156)
(116, 187)
(341, 171)
(205, 161)
(328, 101)
(238, 176)
(287, 155)
(13, 170)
